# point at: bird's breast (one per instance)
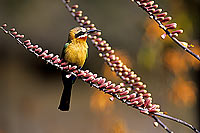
(76, 53)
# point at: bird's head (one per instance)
(80, 33)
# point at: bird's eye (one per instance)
(79, 34)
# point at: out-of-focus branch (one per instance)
(161, 19)
(161, 123)
(177, 120)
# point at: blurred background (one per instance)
(30, 90)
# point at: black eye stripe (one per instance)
(79, 34)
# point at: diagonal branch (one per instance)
(177, 120)
(132, 99)
(160, 18)
(161, 123)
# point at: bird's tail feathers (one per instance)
(66, 95)
(65, 98)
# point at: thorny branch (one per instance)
(118, 91)
(177, 120)
(160, 18)
(135, 96)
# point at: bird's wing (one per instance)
(87, 54)
(66, 44)
(63, 51)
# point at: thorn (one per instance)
(151, 10)
(151, 16)
(150, 3)
(19, 36)
(143, 4)
(111, 98)
(38, 50)
(155, 124)
(98, 39)
(124, 93)
(84, 18)
(78, 13)
(67, 1)
(101, 81)
(157, 11)
(73, 10)
(30, 47)
(27, 41)
(4, 25)
(133, 103)
(100, 55)
(171, 26)
(13, 29)
(147, 95)
(160, 18)
(89, 79)
(144, 111)
(87, 22)
(74, 6)
(14, 33)
(162, 14)
(167, 19)
(48, 56)
(178, 31)
(174, 35)
(5, 31)
(111, 86)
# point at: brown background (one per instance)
(30, 90)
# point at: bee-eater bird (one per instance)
(75, 52)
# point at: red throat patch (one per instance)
(83, 38)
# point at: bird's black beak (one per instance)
(92, 31)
